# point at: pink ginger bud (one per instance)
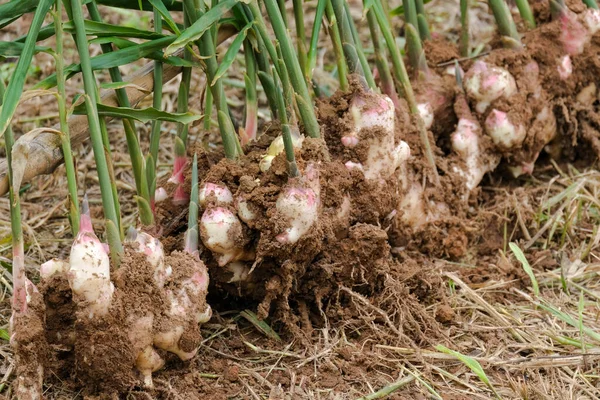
(221, 232)
(465, 140)
(221, 193)
(503, 132)
(53, 267)
(573, 34)
(565, 67)
(299, 207)
(89, 268)
(152, 248)
(244, 210)
(485, 83)
(426, 113)
(160, 194)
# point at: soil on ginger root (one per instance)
(96, 357)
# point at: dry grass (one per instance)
(530, 346)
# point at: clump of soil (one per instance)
(101, 353)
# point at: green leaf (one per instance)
(400, 9)
(102, 29)
(14, 49)
(146, 215)
(262, 326)
(122, 85)
(201, 25)
(143, 115)
(164, 12)
(231, 53)
(472, 364)
(570, 320)
(144, 5)
(17, 81)
(12, 10)
(113, 59)
(523, 260)
(4, 334)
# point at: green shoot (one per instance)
(261, 325)
(385, 75)
(389, 389)
(251, 126)
(526, 14)
(19, 301)
(464, 46)
(102, 166)
(72, 199)
(285, 104)
(156, 125)
(556, 8)
(591, 4)
(416, 54)
(300, 34)
(410, 14)
(424, 30)
(191, 236)
(342, 66)
(207, 48)
(307, 112)
(345, 33)
(133, 145)
(17, 81)
(402, 76)
(526, 267)
(472, 364)
(506, 24)
(366, 69)
(314, 39)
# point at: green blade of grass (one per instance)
(144, 5)
(202, 24)
(526, 267)
(569, 320)
(231, 53)
(336, 39)
(97, 28)
(12, 10)
(311, 61)
(144, 115)
(110, 60)
(17, 81)
(14, 49)
(386, 391)
(472, 364)
(262, 326)
(591, 4)
(160, 8)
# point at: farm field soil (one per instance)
(367, 299)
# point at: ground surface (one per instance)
(483, 305)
